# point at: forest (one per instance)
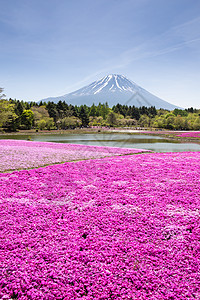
(20, 115)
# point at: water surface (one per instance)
(139, 141)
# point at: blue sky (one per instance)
(50, 47)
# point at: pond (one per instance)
(150, 142)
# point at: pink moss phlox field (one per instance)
(123, 227)
(16, 154)
(192, 134)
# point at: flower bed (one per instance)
(114, 228)
(15, 155)
(190, 134)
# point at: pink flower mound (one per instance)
(16, 155)
(192, 134)
(114, 228)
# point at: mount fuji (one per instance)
(113, 89)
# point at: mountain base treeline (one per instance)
(19, 115)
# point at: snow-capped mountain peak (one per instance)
(113, 89)
(112, 83)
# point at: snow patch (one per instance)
(101, 88)
(117, 83)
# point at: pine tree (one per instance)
(84, 116)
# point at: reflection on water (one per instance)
(154, 143)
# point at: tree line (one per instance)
(20, 115)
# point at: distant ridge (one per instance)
(113, 89)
